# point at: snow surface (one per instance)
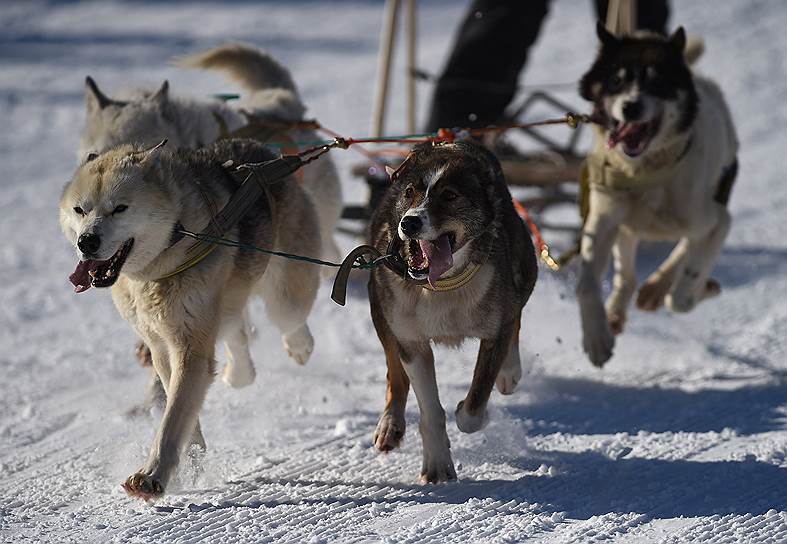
(681, 438)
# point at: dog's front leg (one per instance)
(624, 282)
(471, 412)
(598, 235)
(418, 362)
(692, 284)
(186, 379)
(391, 426)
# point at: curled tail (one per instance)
(254, 69)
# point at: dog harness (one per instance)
(249, 190)
(656, 170)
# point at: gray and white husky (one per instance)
(148, 117)
(122, 211)
(662, 167)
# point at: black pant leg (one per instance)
(490, 50)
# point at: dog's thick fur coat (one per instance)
(455, 193)
(147, 117)
(656, 170)
(132, 197)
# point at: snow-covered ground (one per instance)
(681, 438)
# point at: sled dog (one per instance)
(464, 268)
(146, 118)
(661, 168)
(123, 211)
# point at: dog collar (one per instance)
(454, 282)
(396, 263)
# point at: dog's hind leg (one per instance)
(418, 363)
(289, 289)
(471, 412)
(511, 372)
(652, 293)
(239, 370)
(693, 283)
(624, 281)
(391, 426)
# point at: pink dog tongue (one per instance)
(625, 131)
(81, 277)
(440, 257)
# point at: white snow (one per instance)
(682, 438)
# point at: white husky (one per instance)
(123, 210)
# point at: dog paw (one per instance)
(144, 356)
(143, 486)
(680, 303)
(437, 468)
(616, 322)
(598, 346)
(238, 376)
(508, 378)
(651, 295)
(389, 432)
(467, 422)
(712, 288)
(299, 345)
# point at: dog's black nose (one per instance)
(411, 224)
(88, 243)
(632, 110)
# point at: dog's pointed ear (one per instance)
(678, 39)
(94, 98)
(147, 156)
(162, 94)
(608, 39)
(390, 170)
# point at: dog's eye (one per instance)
(409, 192)
(449, 194)
(119, 209)
(78, 210)
(615, 82)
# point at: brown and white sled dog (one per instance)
(122, 210)
(466, 267)
(146, 118)
(661, 168)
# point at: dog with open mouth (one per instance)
(461, 265)
(661, 168)
(124, 211)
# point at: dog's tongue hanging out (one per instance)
(81, 277)
(438, 253)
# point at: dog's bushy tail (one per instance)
(254, 69)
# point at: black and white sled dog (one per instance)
(661, 168)
(464, 268)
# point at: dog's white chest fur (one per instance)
(448, 316)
